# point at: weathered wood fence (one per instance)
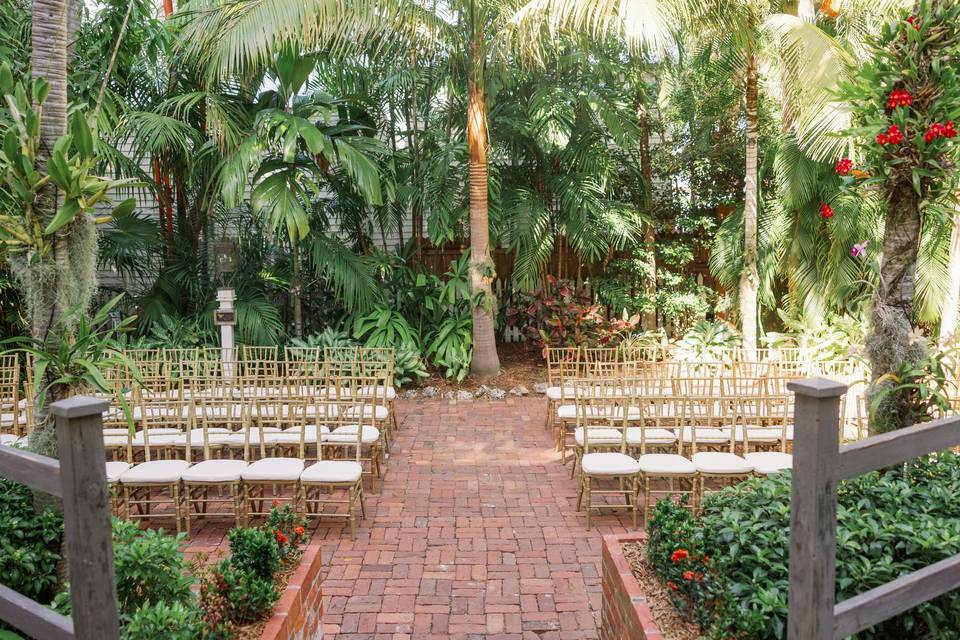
(79, 479)
(818, 466)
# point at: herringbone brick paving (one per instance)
(472, 535)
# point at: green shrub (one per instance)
(29, 543)
(733, 576)
(170, 621)
(149, 566)
(249, 596)
(255, 551)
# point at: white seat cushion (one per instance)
(769, 462)
(559, 393)
(8, 418)
(388, 393)
(599, 436)
(215, 471)
(115, 470)
(721, 463)
(216, 412)
(8, 439)
(347, 434)
(155, 472)
(609, 464)
(292, 435)
(238, 438)
(216, 436)
(114, 441)
(651, 437)
(569, 412)
(382, 412)
(666, 464)
(707, 435)
(278, 469)
(332, 471)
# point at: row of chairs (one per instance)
(632, 439)
(302, 451)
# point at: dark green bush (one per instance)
(150, 567)
(170, 621)
(254, 551)
(733, 576)
(29, 543)
(249, 596)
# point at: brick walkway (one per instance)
(473, 534)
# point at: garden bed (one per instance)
(636, 605)
(299, 612)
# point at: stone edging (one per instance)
(299, 612)
(625, 614)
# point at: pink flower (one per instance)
(859, 250)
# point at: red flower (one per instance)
(282, 539)
(938, 130)
(276, 503)
(688, 575)
(826, 211)
(672, 585)
(948, 130)
(881, 139)
(678, 555)
(894, 135)
(915, 22)
(298, 531)
(899, 98)
(843, 167)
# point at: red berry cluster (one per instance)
(938, 130)
(899, 98)
(843, 167)
(915, 22)
(826, 211)
(893, 136)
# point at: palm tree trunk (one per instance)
(892, 342)
(295, 300)
(948, 312)
(648, 320)
(749, 278)
(485, 362)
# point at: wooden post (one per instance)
(86, 517)
(813, 513)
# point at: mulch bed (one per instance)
(672, 625)
(520, 364)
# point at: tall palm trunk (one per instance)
(892, 341)
(485, 361)
(295, 298)
(948, 312)
(749, 278)
(648, 319)
(49, 61)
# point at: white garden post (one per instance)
(224, 317)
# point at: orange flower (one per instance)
(298, 531)
(688, 575)
(678, 555)
(282, 539)
(672, 585)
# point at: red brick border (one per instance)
(298, 615)
(625, 614)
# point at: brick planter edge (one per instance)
(298, 615)
(624, 614)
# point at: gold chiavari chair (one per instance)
(600, 407)
(380, 362)
(563, 365)
(600, 362)
(13, 418)
(260, 361)
(280, 472)
(855, 413)
(660, 451)
(766, 421)
(721, 463)
(157, 472)
(216, 470)
(343, 438)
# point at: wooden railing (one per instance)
(818, 466)
(79, 479)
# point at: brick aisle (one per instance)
(473, 535)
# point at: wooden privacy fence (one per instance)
(79, 479)
(818, 466)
